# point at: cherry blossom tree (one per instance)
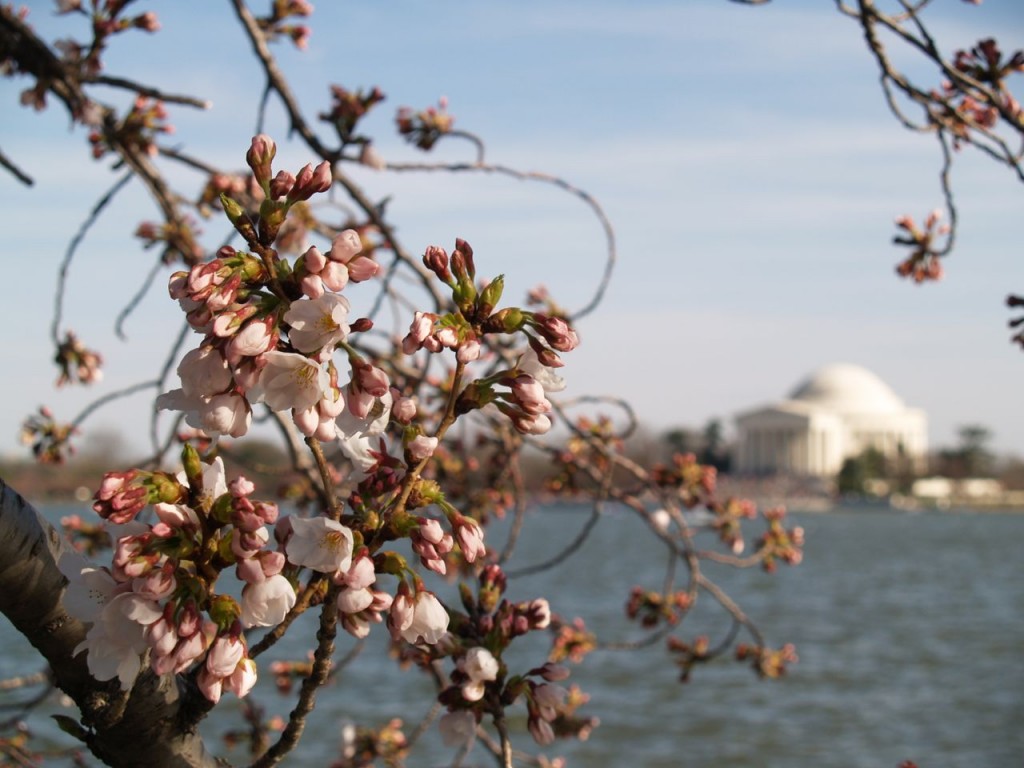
(405, 442)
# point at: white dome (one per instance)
(848, 389)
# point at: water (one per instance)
(908, 628)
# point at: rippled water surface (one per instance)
(909, 629)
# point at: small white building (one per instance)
(836, 414)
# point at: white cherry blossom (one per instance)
(266, 603)
(320, 544)
(204, 372)
(429, 620)
(318, 323)
(289, 380)
(546, 377)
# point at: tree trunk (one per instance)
(152, 725)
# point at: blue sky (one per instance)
(744, 155)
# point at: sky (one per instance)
(744, 155)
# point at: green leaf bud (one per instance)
(490, 296)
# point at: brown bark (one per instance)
(151, 725)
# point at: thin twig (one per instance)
(310, 685)
(150, 91)
(135, 300)
(571, 548)
(19, 174)
(586, 197)
(65, 265)
(108, 398)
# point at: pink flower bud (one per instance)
(360, 575)
(345, 245)
(250, 571)
(538, 424)
(529, 394)
(209, 685)
(468, 351)
(281, 184)
(372, 380)
(272, 562)
(224, 655)
(314, 259)
(362, 268)
(354, 600)
(256, 337)
(261, 153)
(421, 447)
(335, 276)
(312, 286)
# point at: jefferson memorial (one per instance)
(836, 414)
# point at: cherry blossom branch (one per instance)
(570, 549)
(98, 403)
(76, 241)
(731, 607)
(148, 91)
(947, 192)
(278, 83)
(334, 508)
(519, 493)
(506, 742)
(586, 197)
(19, 174)
(135, 300)
(307, 695)
(19, 43)
(474, 139)
(303, 602)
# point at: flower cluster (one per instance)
(277, 24)
(105, 21)
(481, 683)
(779, 542)
(983, 64)
(688, 655)
(270, 329)
(652, 608)
(727, 521)
(348, 108)
(573, 641)
(694, 483)
(588, 453)
(87, 537)
(261, 346)
(159, 594)
(424, 128)
(923, 261)
(137, 130)
(269, 334)
(767, 662)
(50, 439)
(328, 547)
(361, 746)
(76, 362)
(524, 401)
(177, 237)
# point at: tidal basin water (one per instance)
(909, 629)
